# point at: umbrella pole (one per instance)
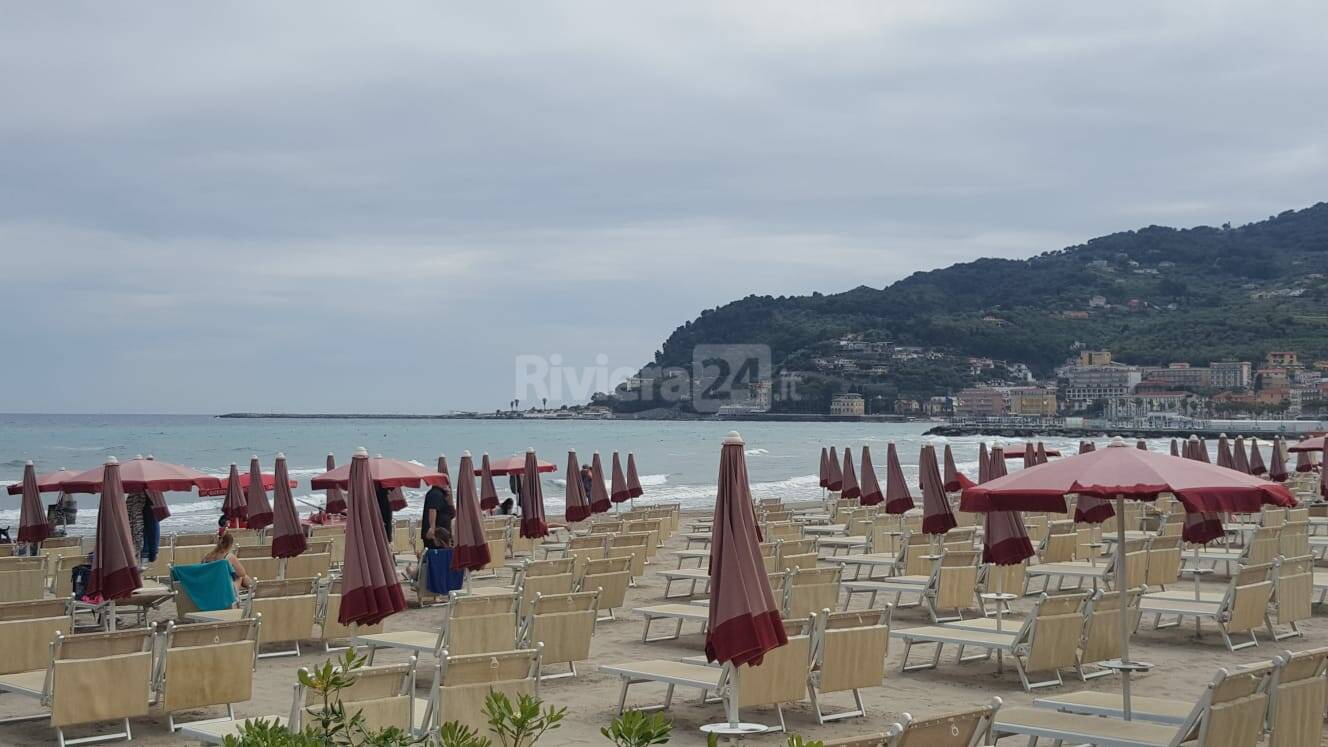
(1124, 611)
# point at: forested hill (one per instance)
(1195, 294)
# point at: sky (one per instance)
(366, 207)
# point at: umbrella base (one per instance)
(735, 729)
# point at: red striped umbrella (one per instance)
(472, 549)
(897, 498)
(115, 560)
(620, 491)
(260, 511)
(533, 524)
(836, 477)
(336, 500)
(599, 494)
(849, 477)
(488, 493)
(871, 489)
(954, 479)
(370, 592)
(744, 622)
(633, 481)
(578, 506)
(287, 535)
(32, 523)
(937, 517)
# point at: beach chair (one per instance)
(1000, 579)
(792, 553)
(1293, 540)
(473, 625)
(461, 683)
(287, 608)
(24, 580)
(632, 546)
(307, 565)
(62, 576)
(1242, 608)
(1297, 692)
(1293, 596)
(327, 617)
(1261, 548)
(337, 534)
(779, 679)
(1164, 561)
(699, 612)
(848, 652)
(1097, 573)
(264, 567)
(970, 728)
(564, 625)
(648, 527)
(91, 678)
(1100, 640)
(205, 664)
(545, 577)
(26, 632)
(1046, 641)
(611, 576)
(1229, 713)
(889, 561)
(582, 550)
(808, 591)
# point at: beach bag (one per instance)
(78, 579)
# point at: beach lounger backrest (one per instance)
(95, 645)
(189, 554)
(206, 664)
(99, 677)
(916, 546)
(383, 696)
(956, 580)
(780, 678)
(564, 624)
(1297, 515)
(1053, 639)
(1293, 540)
(25, 644)
(286, 587)
(34, 608)
(328, 614)
(480, 624)
(307, 565)
(317, 546)
(253, 551)
(589, 542)
(557, 567)
(1136, 569)
(632, 546)
(808, 591)
(612, 577)
(792, 547)
(1035, 526)
(1058, 547)
(1247, 598)
(1101, 634)
(848, 658)
(1295, 589)
(288, 618)
(1298, 691)
(963, 729)
(265, 568)
(1164, 560)
(467, 680)
(194, 539)
(788, 561)
(23, 585)
(1004, 578)
(22, 563)
(62, 579)
(1262, 547)
(1272, 517)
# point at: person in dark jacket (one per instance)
(438, 515)
(385, 510)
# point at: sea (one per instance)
(678, 461)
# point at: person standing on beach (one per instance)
(438, 515)
(587, 479)
(135, 503)
(385, 510)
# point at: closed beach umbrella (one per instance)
(897, 497)
(1175, 448)
(1030, 457)
(824, 474)
(578, 506)
(1005, 542)
(336, 500)
(488, 493)
(32, 524)
(442, 465)
(1141, 445)
(1240, 459)
(114, 562)
(370, 592)
(1277, 469)
(234, 505)
(620, 491)
(1202, 451)
(1224, 458)
(260, 511)
(287, 535)
(937, 516)
(471, 551)
(1304, 461)
(836, 477)
(533, 524)
(633, 480)
(871, 489)
(984, 463)
(1257, 467)
(954, 479)
(1087, 446)
(997, 468)
(1041, 453)
(744, 622)
(599, 494)
(849, 477)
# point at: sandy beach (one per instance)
(1183, 667)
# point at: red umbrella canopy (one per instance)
(336, 500)
(1016, 451)
(578, 505)
(32, 523)
(954, 479)
(235, 505)
(824, 473)
(532, 499)
(871, 489)
(115, 561)
(620, 492)
(384, 473)
(260, 511)
(1314, 443)
(937, 517)
(370, 591)
(517, 465)
(849, 477)
(268, 481)
(471, 551)
(488, 493)
(142, 475)
(49, 482)
(287, 535)
(633, 481)
(599, 495)
(744, 621)
(836, 477)
(984, 463)
(897, 498)
(1133, 474)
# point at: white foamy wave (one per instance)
(756, 452)
(653, 479)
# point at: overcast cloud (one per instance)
(348, 206)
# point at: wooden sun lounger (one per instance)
(287, 607)
(461, 684)
(963, 729)
(564, 625)
(473, 625)
(848, 654)
(679, 613)
(1242, 608)
(689, 576)
(205, 664)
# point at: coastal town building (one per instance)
(982, 402)
(1030, 401)
(1096, 379)
(1230, 374)
(1179, 375)
(1282, 359)
(850, 403)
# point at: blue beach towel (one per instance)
(439, 578)
(208, 585)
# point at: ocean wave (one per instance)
(756, 452)
(653, 479)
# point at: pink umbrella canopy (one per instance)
(836, 477)
(1314, 443)
(1030, 457)
(599, 494)
(32, 524)
(488, 493)
(954, 479)
(532, 498)
(234, 506)
(49, 482)
(383, 473)
(287, 535)
(336, 500)
(633, 481)
(1016, 451)
(1277, 469)
(157, 499)
(370, 592)
(578, 506)
(984, 463)
(396, 500)
(517, 465)
(620, 491)
(267, 480)
(260, 511)
(442, 465)
(871, 489)
(1240, 458)
(114, 562)
(744, 622)
(471, 549)
(897, 497)
(141, 476)
(824, 473)
(1257, 467)
(937, 517)
(849, 477)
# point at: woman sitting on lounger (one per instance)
(224, 550)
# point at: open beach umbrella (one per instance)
(442, 465)
(1016, 451)
(533, 524)
(984, 463)
(516, 465)
(396, 500)
(1277, 469)
(287, 535)
(140, 476)
(336, 500)
(849, 477)
(471, 549)
(633, 480)
(267, 480)
(234, 505)
(1256, 465)
(370, 591)
(1240, 459)
(1005, 541)
(32, 524)
(744, 621)
(114, 561)
(599, 494)
(1314, 443)
(619, 492)
(157, 500)
(836, 477)
(488, 493)
(1224, 453)
(897, 497)
(1030, 458)
(871, 489)
(954, 479)
(578, 506)
(1120, 472)
(383, 473)
(49, 482)
(937, 516)
(260, 511)
(824, 473)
